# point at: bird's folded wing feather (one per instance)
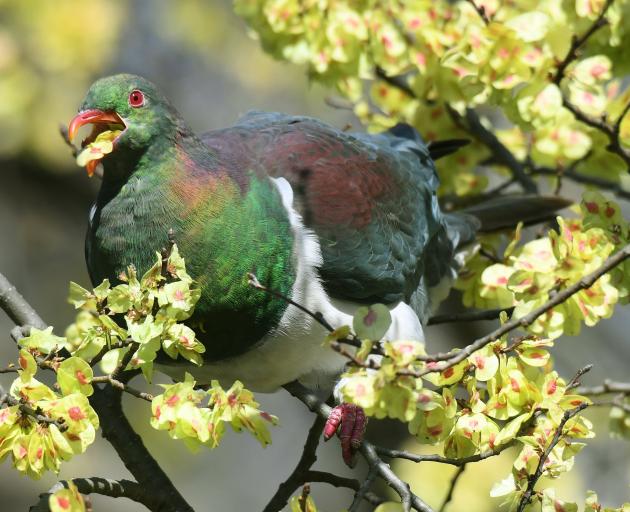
(370, 199)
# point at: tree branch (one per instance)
(133, 453)
(330, 478)
(451, 489)
(575, 381)
(97, 485)
(124, 387)
(398, 82)
(317, 316)
(585, 179)
(578, 42)
(14, 305)
(600, 124)
(607, 387)
(442, 361)
(533, 479)
(414, 457)
(362, 492)
(500, 152)
(297, 477)
(612, 132)
(481, 11)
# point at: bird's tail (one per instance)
(507, 211)
(449, 249)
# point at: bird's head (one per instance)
(128, 113)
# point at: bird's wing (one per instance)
(370, 199)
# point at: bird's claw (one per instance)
(349, 421)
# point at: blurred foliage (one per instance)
(49, 54)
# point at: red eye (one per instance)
(136, 98)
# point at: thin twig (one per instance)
(37, 414)
(119, 344)
(339, 103)
(618, 401)
(351, 340)
(599, 123)
(617, 125)
(579, 41)
(607, 387)
(451, 488)
(533, 478)
(63, 131)
(575, 381)
(123, 387)
(615, 146)
(408, 498)
(415, 457)
(339, 348)
(309, 455)
(318, 317)
(361, 492)
(398, 82)
(585, 179)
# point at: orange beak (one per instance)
(92, 117)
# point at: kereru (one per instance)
(330, 219)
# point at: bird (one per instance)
(331, 220)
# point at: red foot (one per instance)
(350, 420)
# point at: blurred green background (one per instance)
(200, 55)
